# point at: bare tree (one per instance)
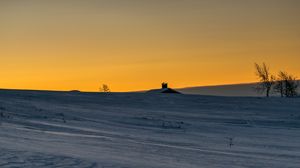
(104, 88)
(279, 87)
(282, 84)
(290, 84)
(266, 79)
(291, 88)
(286, 84)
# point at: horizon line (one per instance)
(91, 91)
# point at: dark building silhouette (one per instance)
(164, 85)
(164, 89)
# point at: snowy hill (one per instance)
(239, 90)
(73, 129)
(224, 90)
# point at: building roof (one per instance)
(163, 90)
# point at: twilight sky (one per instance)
(137, 44)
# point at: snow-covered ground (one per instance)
(140, 130)
(237, 90)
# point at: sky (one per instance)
(138, 44)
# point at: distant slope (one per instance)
(224, 90)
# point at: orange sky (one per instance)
(137, 44)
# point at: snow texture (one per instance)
(142, 130)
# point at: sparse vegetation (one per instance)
(266, 79)
(62, 116)
(104, 88)
(230, 143)
(284, 84)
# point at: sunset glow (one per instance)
(137, 44)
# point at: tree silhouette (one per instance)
(279, 85)
(104, 88)
(266, 79)
(286, 84)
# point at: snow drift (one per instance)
(73, 129)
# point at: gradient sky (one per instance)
(137, 44)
